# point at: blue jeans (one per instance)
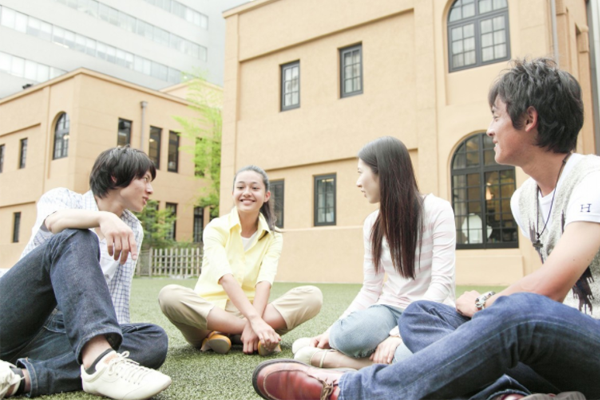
(359, 334)
(523, 335)
(64, 273)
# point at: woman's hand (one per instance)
(265, 333)
(249, 339)
(384, 354)
(321, 341)
(465, 305)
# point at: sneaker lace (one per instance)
(327, 391)
(127, 369)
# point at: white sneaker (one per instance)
(119, 377)
(8, 379)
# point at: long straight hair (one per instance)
(265, 209)
(400, 218)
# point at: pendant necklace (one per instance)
(537, 244)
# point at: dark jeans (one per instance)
(64, 272)
(523, 342)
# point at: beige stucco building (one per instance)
(39, 152)
(309, 82)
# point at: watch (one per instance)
(480, 301)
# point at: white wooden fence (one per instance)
(170, 262)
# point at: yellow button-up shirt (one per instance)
(224, 254)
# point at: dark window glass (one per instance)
(23, 153)
(173, 164)
(325, 200)
(290, 86)
(198, 223)
(478, 33)
(172, 207)
(2, 157)
(154, 147)
(124, 136)
(16, 226)
(61, 137)
(277, 199)
(351, 71)
(481, 192)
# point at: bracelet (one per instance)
(480, 301)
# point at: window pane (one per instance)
(468, 10)
(499, 4)
(487, 40)
(487, 54)
(486, 26)
(485, 6)
(457, 33)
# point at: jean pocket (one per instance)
(55, 322)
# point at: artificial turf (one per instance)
(198, 375)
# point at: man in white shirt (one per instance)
(65, 304)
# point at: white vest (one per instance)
(585, 295)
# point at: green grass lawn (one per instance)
(212, 376)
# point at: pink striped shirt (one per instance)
(435, 275)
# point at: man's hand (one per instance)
(384, 353)
(465, 305)
(321, 341)
(120, 241)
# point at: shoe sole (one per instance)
(219, 346)
(265, 364)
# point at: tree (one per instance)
(157, 226)
(205, 131)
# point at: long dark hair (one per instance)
(401, 205)
(266, 209)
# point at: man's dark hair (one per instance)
(555, 95)
(117, 167)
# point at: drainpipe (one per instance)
(554, 33)
(143, 104)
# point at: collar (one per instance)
(234, 220)
(89, 203)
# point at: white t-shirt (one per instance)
(584, 204)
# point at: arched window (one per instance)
(61, 137)
(481, 192)
(477, 33)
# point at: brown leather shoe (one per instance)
(292, 380)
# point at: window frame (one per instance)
(476, 20)
(283, 68)
(342, 52)
(317, 179)
(482, 170)
(154, 130)
(275, 185)
(173, 134)
(127, 133)
(59, 137)
(22, 153)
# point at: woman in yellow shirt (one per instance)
(230, 300)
